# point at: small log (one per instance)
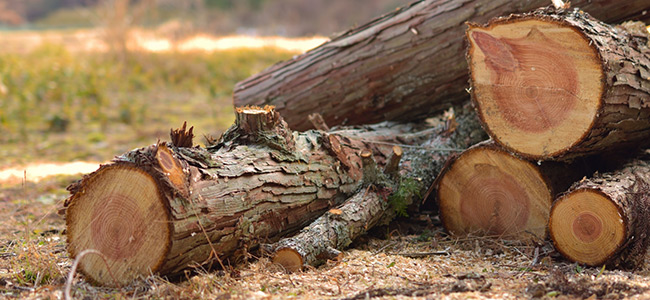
(402, 66)
(336, 229)
(398, 188)
(605, 219)
(162, 209)
(488, 191)
(560, 84)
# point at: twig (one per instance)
(422, 254)
(68, 283)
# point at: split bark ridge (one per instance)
(426, 153)
(605, 219)
(403, 66)
(560, 84)
(162, 208)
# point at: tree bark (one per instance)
(489, 191)
(401, 66)
(605, 219)
(376, 205)
(560, 84)
(164, 208)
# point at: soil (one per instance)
(412, 259)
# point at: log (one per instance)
(488, 191)
(605, 219)
(402, 66)
(336, 229)
(560, 84)
(167, 207)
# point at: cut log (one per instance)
(402, 66)
(605, 219)
(557, 85)
(488, 191)
(369, 207)
(162, 208)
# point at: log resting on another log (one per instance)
(164, 208)
(560, 84)
(405, 65)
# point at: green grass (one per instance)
(63, 106)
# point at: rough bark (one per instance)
(489, 191)
(371, 206)
(163, 208)
(605, 219)
(401, 66)
(560, 84)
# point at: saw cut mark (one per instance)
(494, 201)
(117, 227)
(586, 226)
(533, 80)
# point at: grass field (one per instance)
(61, 106)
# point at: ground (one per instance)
(411, 259)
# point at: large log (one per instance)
(167, 207)
(605, 219)
(489, 191)
(401, 66)
(560, 84)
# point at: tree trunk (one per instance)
(488, 191)
(576, 85)
(371, 206)
(167, 207)
(402, 66)
(605, 219)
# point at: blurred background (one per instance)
(85, 80)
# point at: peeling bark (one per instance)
(163, 208)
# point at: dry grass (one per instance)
(398, 265)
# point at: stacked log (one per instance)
(170, 206)
(605, 219)
(402, 66)
(556, 88)
(548, 86)
(560, 85)
(488, 191)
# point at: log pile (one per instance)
(170, 206)
(558, 92)
(552, 88)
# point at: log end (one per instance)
(535, 77)
(289, 259)
(487, 191)
(586, 226)
(119, 212)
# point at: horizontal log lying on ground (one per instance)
(168, 207)
(605, 219)
(488, 191)
(404, 65)
(560, 84)
(372, 206)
